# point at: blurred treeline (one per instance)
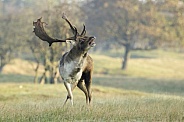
(132, 24)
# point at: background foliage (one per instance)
(133, 24)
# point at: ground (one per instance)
(150, 90)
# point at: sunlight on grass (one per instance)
(157, 68)
(35, 103)
(165, 68)
(22, 67)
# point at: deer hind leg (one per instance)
(88, 82)
(69, 90)
(82, 87)
(88, 87)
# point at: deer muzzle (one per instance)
(92, 41)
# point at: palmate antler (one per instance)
(41, 33)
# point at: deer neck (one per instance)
(76, 54)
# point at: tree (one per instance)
(8, 33)
(173, 11)
(133, 24)
(14, 30)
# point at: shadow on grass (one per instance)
(15, 78)
(161, 86)
(135, 56)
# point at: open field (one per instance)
(146, 64)
(152, 89)
(28, 102)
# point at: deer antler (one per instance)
(83, 33)
(73, 28)
(40, 32)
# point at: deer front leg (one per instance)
(73, 87)
(69, 90)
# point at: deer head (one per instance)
(81, 41)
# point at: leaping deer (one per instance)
(76, 66)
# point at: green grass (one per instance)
(148, 85)
(44, 103)
(146, 64)
(152, 89)
(15, 78)
(148, 68)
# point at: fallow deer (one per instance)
(76, 66)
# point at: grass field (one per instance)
(28, 102)
(151, 90)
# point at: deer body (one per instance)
(76, 66)
(71, 67)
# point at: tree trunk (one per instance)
(36, 73)
(126, 57)
(1, 69)
(51, 75)
(51, 66)
(2, 63)
(43, 78)
(53, 78)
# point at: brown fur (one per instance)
(85, 63)
(87, 79)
